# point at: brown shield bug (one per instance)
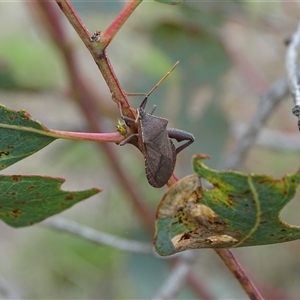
(154, 141)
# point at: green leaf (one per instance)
(26, 200)
(239, 210)
(21, 136)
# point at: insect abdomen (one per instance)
(160, 168)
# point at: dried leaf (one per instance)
(239, 210)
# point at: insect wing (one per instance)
(160, 162)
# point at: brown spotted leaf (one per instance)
(20, 135)
(26, 200)
(239, 210)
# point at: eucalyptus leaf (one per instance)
(26, 200)
(21, 136)
(239, 210)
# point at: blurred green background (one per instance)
(229, 53)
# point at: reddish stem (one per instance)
(114, 27)
(74, 19)
(236, 269)
(114, 137)
(173, 179)
(97, 49)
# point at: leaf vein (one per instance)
(258, 213)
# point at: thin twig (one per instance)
(68, 226)
(177, 277)
(267, 103)
(180, 273)
(115, 137)
(275, 139)
(237, 271)
(115, 26)
(97, 47)
(291, 65)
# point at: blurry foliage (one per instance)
(73, 269)
(45, 264)
(33, 63)
(202, 61)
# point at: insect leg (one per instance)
(128, 139)
(126, 119)
(179, 136)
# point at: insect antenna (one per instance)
(143, 104)
(167, 74)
